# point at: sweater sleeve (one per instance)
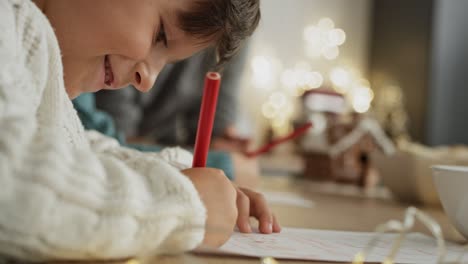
(175, 156)
(58, 201)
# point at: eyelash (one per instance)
(161, 36)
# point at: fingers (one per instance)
(244, 145)
(243, 208)
(276, 225)
(260, 210)
(265, 218)
(250, 203)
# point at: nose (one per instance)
(144, 76)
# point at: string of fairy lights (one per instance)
(322, 41)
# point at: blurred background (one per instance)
(413, 50)
(395, 62)
(297, 48)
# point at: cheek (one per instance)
(78, 35)
(122, 29)
(71, 78)
(128, 29)
(71, 72)
(81, 75)
(133, 40)
(135, 45)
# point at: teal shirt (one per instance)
(94, 119)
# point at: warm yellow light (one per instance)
(302, 66)
(388, 261)
(314, 80)
(302, 78)
(268, 110)
(326, 23)
(391, 94)
(363, 83)
(269, 260)
(359, 259)
(288, 78)
(280, 127)
(362, 87)
(313, 50)
(278, 100)
(288, 110)
(336, 37)
(323, 39)
(362, 96)
(297, 91)
(340, 77)
(312, 34)
(361, 105)
(331, 52)
(279, 122)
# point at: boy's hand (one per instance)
(228, 206)
(250, 203)
(219, 196)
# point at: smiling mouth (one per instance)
(109, 75)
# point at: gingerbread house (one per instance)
(339, 148)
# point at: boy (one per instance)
(67, 194)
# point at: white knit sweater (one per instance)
(65, 194)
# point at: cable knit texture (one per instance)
(67, 194)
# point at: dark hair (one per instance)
(226, 22)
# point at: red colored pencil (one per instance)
(296, 133)
(206, 119)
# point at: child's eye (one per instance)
(161, 35)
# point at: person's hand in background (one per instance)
(246, 169)
(230, 141)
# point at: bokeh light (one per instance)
(361, 96)
(341, 78)
(337, 37)
(264, 69)
(268, 110)
(314, 80)
(326, 23)
(288, 78)
(301, 78)
(278, 99)
(312, 34)
(323, 39)
(331, 52)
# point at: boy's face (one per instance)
(109, 44)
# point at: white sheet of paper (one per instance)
(286, 198)
(336, 246)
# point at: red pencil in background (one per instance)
(264, 149)
(206, 119)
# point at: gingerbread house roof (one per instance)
(366, 126)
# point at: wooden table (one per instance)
(332, 211)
